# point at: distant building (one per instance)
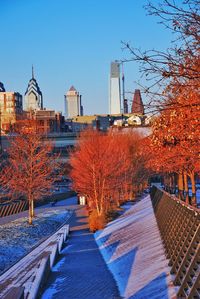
(99, 122)
(48, 121)
(125, 106)
(81, 112)
(11, 109)
(134, 120)
(2, 89)
(137, 105)
(33, 95)
(114, 96)
(73, 105)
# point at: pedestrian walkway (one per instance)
(81, 272)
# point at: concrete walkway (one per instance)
(81, 272)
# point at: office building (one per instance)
(114, 96)
(11, 109)
(33, 95)
(2, 88)
(73, 106)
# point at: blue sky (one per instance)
(72, 42)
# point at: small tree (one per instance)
(105, 167)
(95, 165)
(29, 170)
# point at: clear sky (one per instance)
(72, 42)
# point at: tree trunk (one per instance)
(186, 190)
(193, 199)
(32, 208)
(174, 183)
(180, 186)
(170, 183)
(30, 218)
(118, 198)
(166, 183)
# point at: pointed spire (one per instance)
(137, 104)
(32, 72)
(72, 88)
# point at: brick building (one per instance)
(11, 109)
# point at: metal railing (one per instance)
(179, 225)
(12, 208)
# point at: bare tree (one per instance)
(179, 65)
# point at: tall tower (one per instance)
(73, 105)
(33, 95)
(114, 97)
(137, 105)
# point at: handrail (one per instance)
(179, 225)
(31, 271)
(12, 208)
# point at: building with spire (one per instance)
(137, 104)
(115, 93)
(73, 105)
(2, 88)
(33, 95)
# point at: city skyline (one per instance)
(75, 48)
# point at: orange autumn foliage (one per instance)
(29, 170)
(107, 168)
(176, 136)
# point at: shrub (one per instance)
(95, 221)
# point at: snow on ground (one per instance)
(132, 248)
(17, 238)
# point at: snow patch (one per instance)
(132, 248)
(17, 238)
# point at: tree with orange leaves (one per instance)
(135, 173)
(29, 170)
(95, 165)
(175, 138)
(175, 73)
(105, 167)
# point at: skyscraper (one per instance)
(73, 105)
(137, 105)
(114, 97)
(33, 95)
(2, 88)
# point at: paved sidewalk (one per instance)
(81, 272)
